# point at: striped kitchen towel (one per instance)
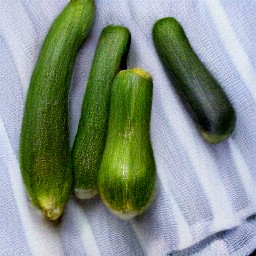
(206, 194)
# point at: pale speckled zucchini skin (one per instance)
(44, 146)
(126, 178)
(110, 56)
(201, 94)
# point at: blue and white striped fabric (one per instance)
(206, 194)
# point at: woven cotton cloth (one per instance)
(205, 201)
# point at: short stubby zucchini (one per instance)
(126, 178)
(201, 94)
(44, 147)
(109, 58)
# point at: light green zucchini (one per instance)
(126, 178)
(44, 147)
(201, 94)
(110, 56)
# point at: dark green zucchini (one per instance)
(126, 178)
(44, 147)
(110, 56)
(200, 92)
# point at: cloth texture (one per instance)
(205, 201)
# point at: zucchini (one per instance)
(126, 177)
(44, 147)
(110, 56)
(201, 94)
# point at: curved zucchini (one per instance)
(110, 56)
(200, 92)
(126, 178)
(44, 146)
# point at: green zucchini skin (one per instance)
(126, 177)
(200, 92)
(44, 146)
(110, 56)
